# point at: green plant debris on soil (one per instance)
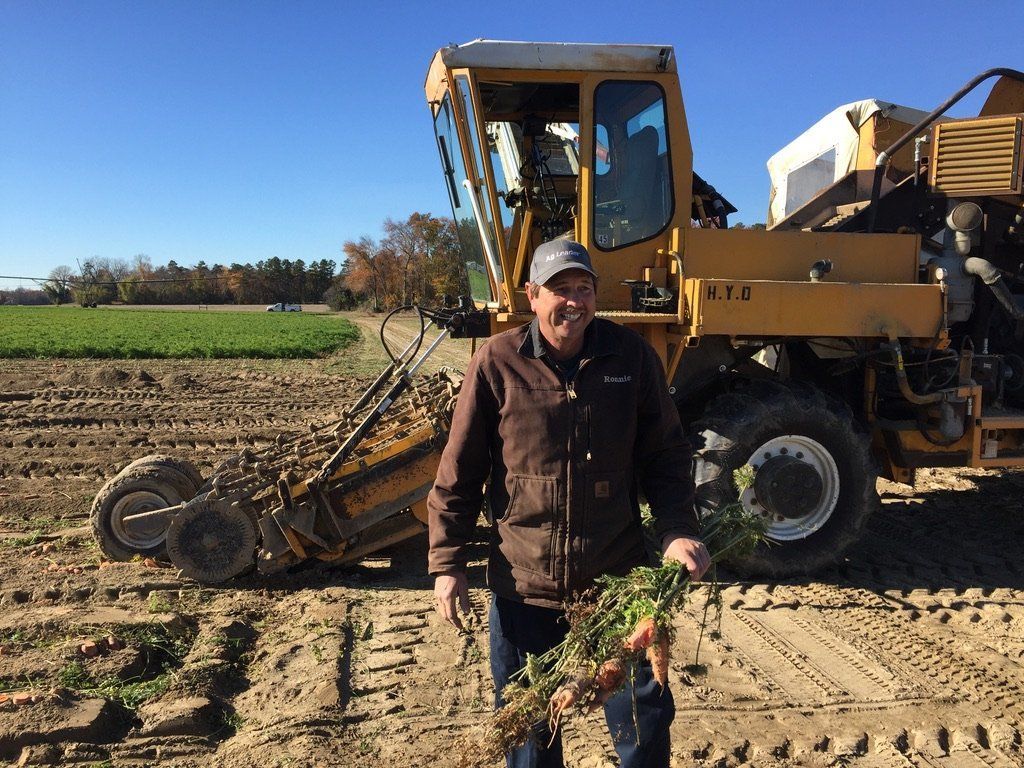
(163, 651)
(69, 332)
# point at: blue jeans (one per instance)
(517, 629)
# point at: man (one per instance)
(562, 418)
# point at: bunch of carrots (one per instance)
(610, 628)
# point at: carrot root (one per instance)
(642, 636)
(658, 653)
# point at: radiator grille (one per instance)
(979, 156)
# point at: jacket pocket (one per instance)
(527, 529)
(613, 536)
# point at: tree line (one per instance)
(417, 260)
(105, 281)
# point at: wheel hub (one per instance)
(796, 486)
(141, 533)
(211, 541)
(788, 486)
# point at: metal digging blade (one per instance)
(211, 541)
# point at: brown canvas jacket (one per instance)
(561, 460)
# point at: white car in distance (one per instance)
(282, 307)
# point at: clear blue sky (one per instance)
(237, 131)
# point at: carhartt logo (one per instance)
(617, 379)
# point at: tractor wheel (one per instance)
(192, 479)
(814, 475)
(139, 487)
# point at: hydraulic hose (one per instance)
(951, 430)
(901, 379)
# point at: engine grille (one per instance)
(977, 156)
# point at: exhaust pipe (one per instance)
(993, 278)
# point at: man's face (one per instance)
(564, 306)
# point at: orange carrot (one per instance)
(658, 654)
(610, 675)
(643, 635)
(608, 680)
(565, 698)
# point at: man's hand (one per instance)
(450, 588)
(690, 552)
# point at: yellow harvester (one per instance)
(874, 328)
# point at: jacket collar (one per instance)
(597, 341)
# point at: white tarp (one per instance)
(825, 153)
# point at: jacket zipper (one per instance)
(573, 396)
(570, 391)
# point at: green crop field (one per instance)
(137, 334)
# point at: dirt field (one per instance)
(911, 653)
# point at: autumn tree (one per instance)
(134, 289)
(58, 285)
(372, 269)
(444, 273)
(95, 284)
(427, 256)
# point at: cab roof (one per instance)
(598, 57)
(586, 57)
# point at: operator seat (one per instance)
(640, 188)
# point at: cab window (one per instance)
(632, 173)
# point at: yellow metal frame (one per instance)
(764, 308)
(1008, 436)
(739, 284)
(614, 266)
(365, 462)
(778, 255)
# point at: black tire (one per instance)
(768, 414)
(191, 481)
(137, 488)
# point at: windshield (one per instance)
(462, 208)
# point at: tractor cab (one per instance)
(539, 140)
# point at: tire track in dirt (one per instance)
(414, 677)
(289, 711)
(96, 431)
(963, 673)
(810, 651)
(911, 652)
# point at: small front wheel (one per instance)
(143, 486)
